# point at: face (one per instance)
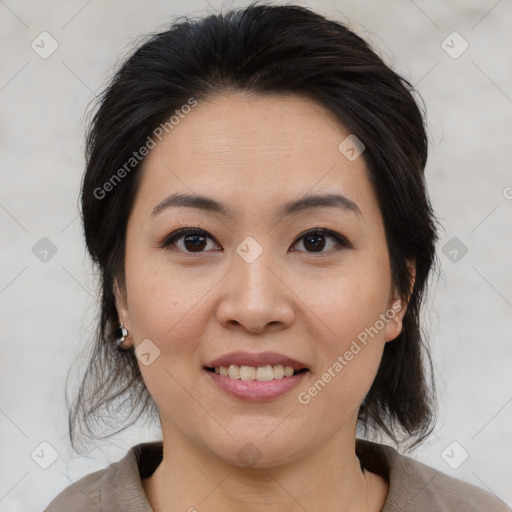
(254, 278)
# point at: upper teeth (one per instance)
(260, 373)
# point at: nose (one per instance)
(255, 297)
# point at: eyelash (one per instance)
(180, 233)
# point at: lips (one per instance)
(261, 359)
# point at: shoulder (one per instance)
(81, 496)
(416, 487)
(116, 487)
(436, 489)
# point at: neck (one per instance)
(329, 478)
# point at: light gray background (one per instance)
(47, 309)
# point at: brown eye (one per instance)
(193, 240)
(315, 241)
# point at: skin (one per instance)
(254, 153)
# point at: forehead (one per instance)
(254, 151)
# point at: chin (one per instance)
(256, 451)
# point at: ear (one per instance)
(397, 307)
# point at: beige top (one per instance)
(413, 486)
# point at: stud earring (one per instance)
(120, 336)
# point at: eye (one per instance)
(315, 240)
(195, 240)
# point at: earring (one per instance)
(121, 335)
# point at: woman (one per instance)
(255, 201)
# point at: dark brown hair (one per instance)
(262, 49)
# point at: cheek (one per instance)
(350, 333)
(164, 305)
(167, 309)
(349, 300)
(351, 351)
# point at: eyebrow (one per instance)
(295, 207)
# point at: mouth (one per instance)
(261, 366)
(259, 373)
(255, 384)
